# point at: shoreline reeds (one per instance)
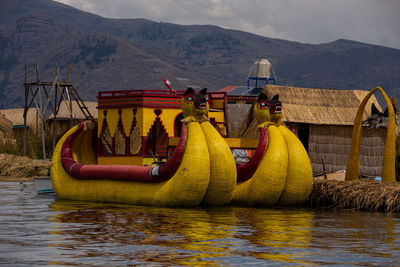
(364, 194)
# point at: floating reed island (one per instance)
(363, 194)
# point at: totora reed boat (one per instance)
(160, 148)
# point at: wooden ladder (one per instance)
(79, 102)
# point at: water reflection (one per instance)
(277, 230)
(175, 236)
(39, 230)
(184, 236)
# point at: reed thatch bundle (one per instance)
(364, 194)
(17, 166)
(320, 106)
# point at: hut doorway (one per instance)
(304, 134)
(178, 125)
(157, 140)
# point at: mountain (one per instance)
(121, 54)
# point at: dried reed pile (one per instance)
(16, 166)
(364, 194)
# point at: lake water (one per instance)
(42, 230)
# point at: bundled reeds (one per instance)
(363, 194)
(332, 143)
(320, 106)
(16, 166)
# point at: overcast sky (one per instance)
(306, 21)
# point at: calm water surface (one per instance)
(41, 230)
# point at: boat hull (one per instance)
(187, 186)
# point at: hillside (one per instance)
(118, 54)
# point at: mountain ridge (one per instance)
(122, 54)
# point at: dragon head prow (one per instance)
(268, 111)
(195, 104)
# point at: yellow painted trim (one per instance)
(148, 118)
(250, 143)
(112, 120)
(127, 119)
(100, 120)
(242, 142)
(168, 119)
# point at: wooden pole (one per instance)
(68, 74)
(37, 72)
(71, 122)
(55, 111)
(26, 107)
(324, 169)
(41, 113)
(69, 98)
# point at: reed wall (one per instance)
(331, 144)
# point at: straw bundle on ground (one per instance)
(16, 166)
(364, 194)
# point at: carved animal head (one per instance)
(195, 103)
(377, 117)
(268, 110)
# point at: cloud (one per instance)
(311, 21)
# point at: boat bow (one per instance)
(147, 174)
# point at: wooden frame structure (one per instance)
(45, 95)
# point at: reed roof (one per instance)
(320, 106)
(63, 112)
(16, 116)
(5, 124)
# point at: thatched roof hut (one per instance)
(320, 106)
(16, 116)
(63, 116)
(323, 120)
(64, 112)
(5, 126)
